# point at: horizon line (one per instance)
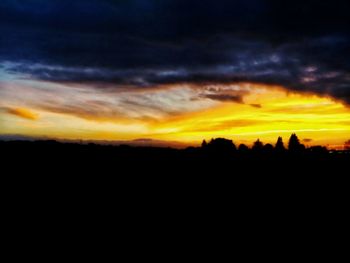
(147, 142)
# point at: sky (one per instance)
(176, 70)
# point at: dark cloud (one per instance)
(256, 105)
(307, 140)
(303, 46)
(224, 97)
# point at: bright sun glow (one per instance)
(266, 113)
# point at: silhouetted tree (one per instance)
(268, 148)
(221, 145)
(280, 145)
(243, 148)
(294, 144)
(318, 150)
(257, 146)
(204, 144)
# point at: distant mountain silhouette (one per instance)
(142, 142)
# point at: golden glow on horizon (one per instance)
(267, 112)
(274, 113)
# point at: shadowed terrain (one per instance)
(217, 158)
(264, 185)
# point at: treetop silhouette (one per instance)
(220, 145)
(258, 145)
(294, 145)
(242, 148)
(279, 147)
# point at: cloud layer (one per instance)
(142, 44)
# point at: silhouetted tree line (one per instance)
(217, 155)
(224, 146)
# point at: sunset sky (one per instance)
(176, 70)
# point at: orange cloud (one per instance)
(23, 113)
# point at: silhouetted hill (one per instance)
(142, 142)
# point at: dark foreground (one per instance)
(137, 174)
(157, 184)
(51, 157)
